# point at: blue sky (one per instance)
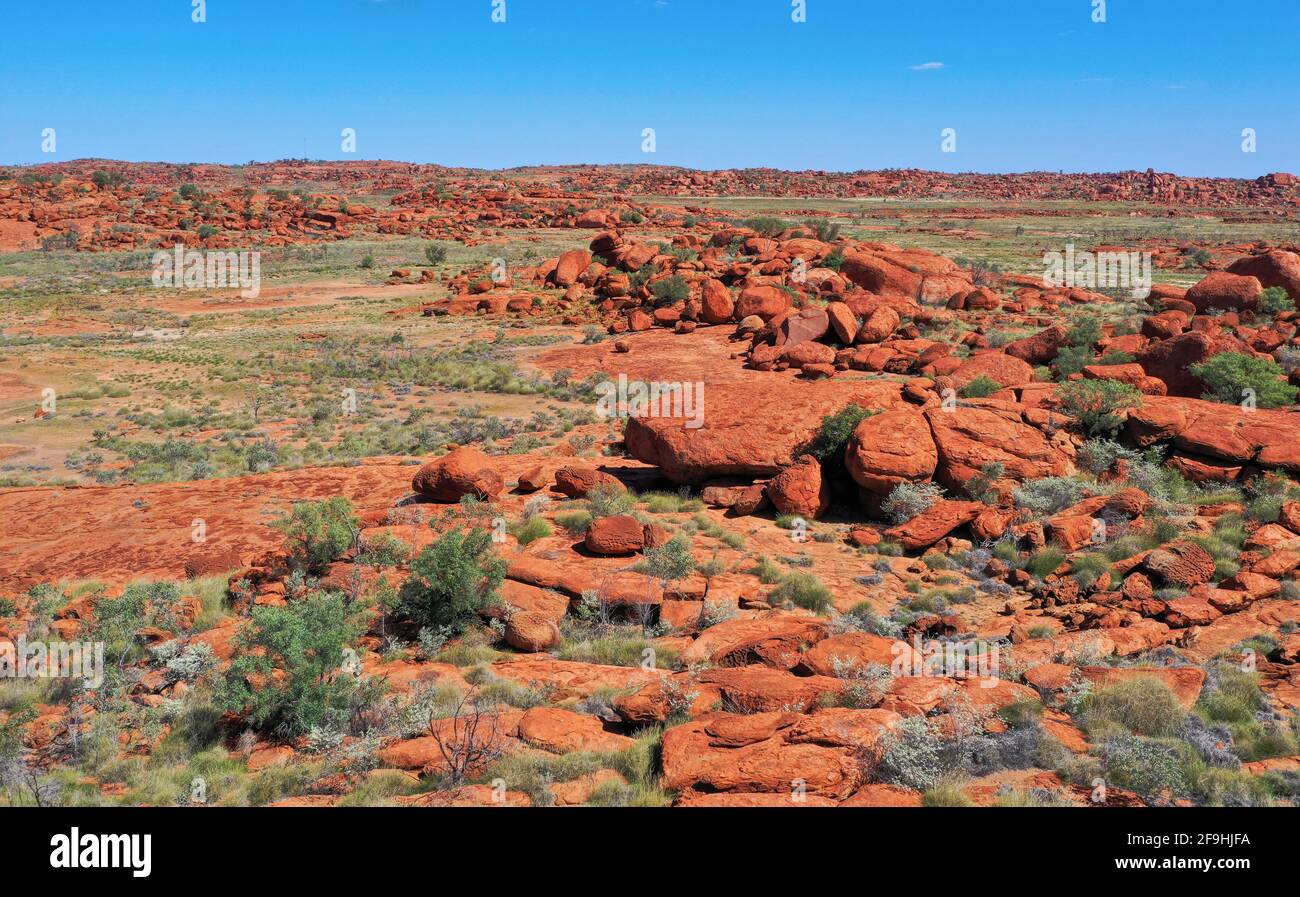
(1026, 84)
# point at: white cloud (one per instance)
(927, 66)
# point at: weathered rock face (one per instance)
(1005, 369)
(934, 523)
(750, 429)
(576, 482)
(1040, 348)
(571, 266)
(774, 639)
(800, 489)
(1274, 268)
(767, 752)
(764, 301)
(1169, 360)
(462, 471)
(716, 304)
(619, 534)
(1181, 564)
(809, 324)
(1222, 290)
(969, 436)
(1264, 436)
(531, 631)
(889, 448)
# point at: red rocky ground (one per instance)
(1175, 570)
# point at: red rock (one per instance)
(1004, 369)
(1225, 291)
(880, 275)
(890, 448)
(1274, 268)
(570, 267)
(462, 471)
(1169, 360)
(843, 322)
(764, 301)
(1040, 348)
(774, 638)
(859, 649)
(693, 758)
(787, 415)
(800, 489)
(716, 304)
(618, 534)
(934, 523)
(530, 631)
(1181, 563)
(878, 326)
(969, 437)
(809, 324)
(806, 354)
(564, 731)
(576, 482)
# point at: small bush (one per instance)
(575, 522)
(907, 500)
(317, 533)
(981, 387)
(1274, 301)
(670, 290)
(1048, 495)
(1045, 561)
(1228, 376)
(1143, 706)
(1148, 766)
(833, 435)
(452, 580)
(305, 640)
(803, 590)
(1096, 404)
(530, 530)
(670, 561)
(610, 501)
(436, 253)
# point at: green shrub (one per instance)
(907, 500)
(1045, 561)
(452, 580)
(1143, 706)
(765, 225)
(436, 253)
(530, 530)
(1228, 376)
(317, 533)
(610, 501)
(383, 550)
(981, 387)
(305, 641)
(947, 795)
(670, 290)
(802, 590)
(670, 561)
(1096, 404)
(834, 433)
(1148, 766)
(575, 522)
(1275, 300)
